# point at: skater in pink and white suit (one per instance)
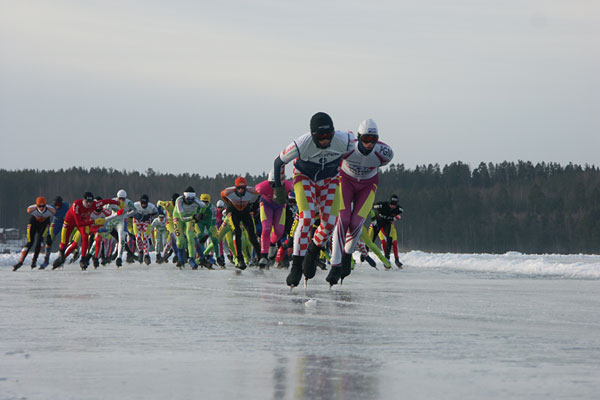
(359, 178)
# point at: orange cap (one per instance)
(240, 181)
(40, 201)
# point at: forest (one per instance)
(493, 208)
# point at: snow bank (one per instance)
(552, 265)
(573, 266)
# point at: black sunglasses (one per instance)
(323, 136)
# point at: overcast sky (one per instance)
(224, 86)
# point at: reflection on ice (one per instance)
(324, 377)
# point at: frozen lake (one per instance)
(448, 326)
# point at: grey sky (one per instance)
(208, 87)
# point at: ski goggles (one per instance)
(323, 135)
(369, 138)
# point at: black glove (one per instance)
(279, 195)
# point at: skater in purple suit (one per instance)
(359, 177)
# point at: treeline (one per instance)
(541, 208)
(18, 189)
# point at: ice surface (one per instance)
(448, 326)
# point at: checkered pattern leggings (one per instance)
(322, 196)
(141, 237)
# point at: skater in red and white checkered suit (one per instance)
(317, 156)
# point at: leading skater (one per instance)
(316, 173)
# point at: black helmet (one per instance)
(321, 127)
(88, 196)
(144, 199)
(58, 201)
(394, 200)
(100, 207)
(189, 194)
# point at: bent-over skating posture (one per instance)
(78, 217)
(317, 156)
(272, 218)
(386, 213)
(39, 220)
(242, 201)
(184, 212)
(359, 178)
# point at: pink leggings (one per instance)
(272, 217)
(357, 198)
